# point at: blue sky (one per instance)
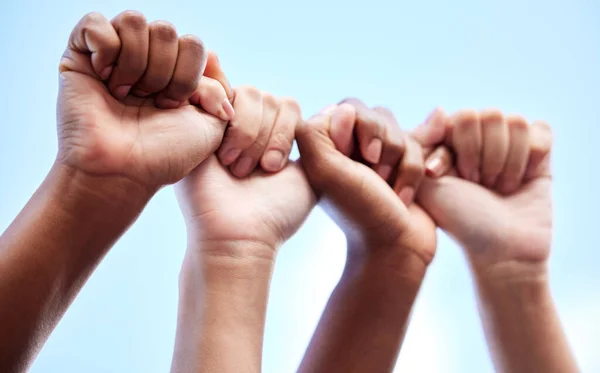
(538, 58)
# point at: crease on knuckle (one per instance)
(491, 116)
(269, 100)
(163, 30)
(93, 18)
(290, 104)
(280, 141)
(133, 19)
(249, 91)
(194, 43)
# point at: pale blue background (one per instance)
(540, 59)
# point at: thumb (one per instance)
(459, 207)
(215, 71)
(433, 131)
(323, 141)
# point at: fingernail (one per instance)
(122, 91)
(273, 160)
(475, 176)
(242, 167)
(374, 151)
(406, 195)
(434, 166)
(230, 156)
(105, 74)
(227, 109)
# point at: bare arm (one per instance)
(50, 250)
(366, 318)
(521, 323)
(222, 308)
(391, 241)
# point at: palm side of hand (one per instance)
(262, 207)
(250, 196)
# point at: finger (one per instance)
(494, 133)
(466, 142)
(280, 142)
(250, 157)
(439, 162)
(518, 155)
(215, 71)
(393, 145)
(410, 171)
(343, 120)
(434, 130)
(541, 140)
(369, 131)
(211, 97)
(318, 153)
(162, 57)
(133, 57)
(191, 60)
(96, 36)
(245, 126)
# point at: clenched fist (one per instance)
(366, 171)
(497, 202)
(130, 100)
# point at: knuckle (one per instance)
(194, 43)
(93, 18)
(269, 100)
(243, 135)
(491, 116)
(465, 119)
(212, 86)
(181, 86)
(544, 126)
(290, 104)
(163, 30)
(133, 19)
(249, 91)
(517, 123)
(352, 101)
(413, 170)
(281, 141)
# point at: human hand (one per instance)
(244, 204)
(497, 202)
(130, 101)
(365, 170)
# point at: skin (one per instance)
(497, 204)
(117, 146)
(237, 218)
(391, 240)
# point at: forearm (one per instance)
(49, 251)
(223, 299)
(364, 323)
(521, 323)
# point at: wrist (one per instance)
(386, 264)
(511, 273)
(224, 289)
(226, 265)
(88, 196)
